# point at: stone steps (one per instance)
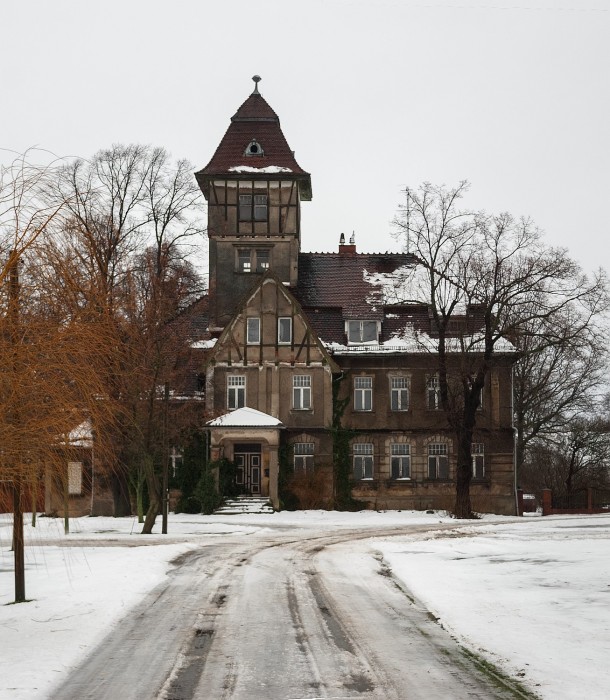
(245, 504)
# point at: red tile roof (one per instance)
(254, 120)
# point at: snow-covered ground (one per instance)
(531, 595)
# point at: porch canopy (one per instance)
(252, 439)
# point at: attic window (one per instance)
(362, 332)
(254, 149)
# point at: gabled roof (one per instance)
(270, 278)
(339, 280)
(246, 418)
(255, 120)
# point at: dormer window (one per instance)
(254, 149)
(362, 332)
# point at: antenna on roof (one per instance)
(256, 79)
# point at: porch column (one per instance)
(274, 471)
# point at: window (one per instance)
(438, 461)
(363, 393)
(253, 332)
(400, 461)
(175, 460)
(301, 392)
(236, 392)
(262, 260)
(362, 331)
(253, 260)
(254, 149)
(363, 461)
(253, 207)
(75, 478)
(284, 330)
(433, 391)
(244, 263)
(399, 393)
(303, 456)
(477, 450)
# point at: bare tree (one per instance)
(127, 200)
(498, 266)
(578, 458)
(560, 374)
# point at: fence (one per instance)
(584, 502)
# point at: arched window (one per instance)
(254, 149)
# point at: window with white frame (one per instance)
(477, 450)
(363, 393)
(303, 456)
(253, 330)
(362, 331)
(301, 392)
(284, 330)
(253, 207)
(400, 461)
(75, 478)
(399, 393)
(236, 391)
(363, 460)
(438, 461)
(433, 392)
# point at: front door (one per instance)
(248, 460)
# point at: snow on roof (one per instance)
(408, 283)
(246, 417)
(252, 169)
(412, 340)
(81, 436)
(204, 344)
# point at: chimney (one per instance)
(347, 248)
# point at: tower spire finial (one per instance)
(256, 79)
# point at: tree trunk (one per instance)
(463, 507)
(18, 543)
(154, 494)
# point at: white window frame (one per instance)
(400, 461)
(477, 451)
(356, 330)
(236, 391)
(433, 392)
(284, 330)
(301, 392)
(253, 330)
(303, 456)
(438, 461)
(363, 394)
(400, 390)
(363, 461)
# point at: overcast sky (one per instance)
(372, 95)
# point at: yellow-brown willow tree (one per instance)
(51, 379)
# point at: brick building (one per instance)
(295, 334)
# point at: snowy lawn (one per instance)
(532, 595)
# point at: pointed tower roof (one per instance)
(254, 146)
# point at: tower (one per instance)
(254, 188)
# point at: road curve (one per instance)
(281, 617)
